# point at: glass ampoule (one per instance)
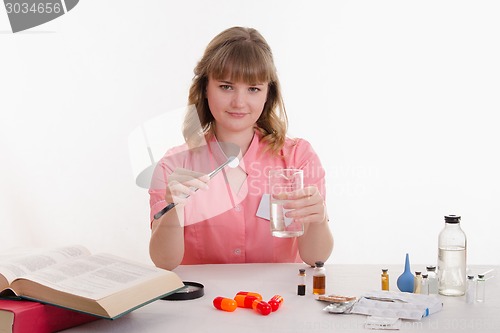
(385, 279)
(432, 279)
(417, 282)
(470, 293)
(301, 283)
(424, 285)
(319, 279)
(480, 288)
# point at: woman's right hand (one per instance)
(182, 183)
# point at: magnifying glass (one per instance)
(193, 290)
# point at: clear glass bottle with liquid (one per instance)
(452, 258)
(319, 279)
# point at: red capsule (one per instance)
(225, 304)
(245, 301)
(275, 302)
(261, 307)
(247, 293)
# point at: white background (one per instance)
(399, 98)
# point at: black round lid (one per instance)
(452, 219)
(193, 290)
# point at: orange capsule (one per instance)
(225, 304)
(244, 301)
(261, 307)
(275, 302)
(247, 293)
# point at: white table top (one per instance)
(298, 313)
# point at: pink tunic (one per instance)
(221, 225)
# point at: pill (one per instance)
(261, 307)
(225, 304)
(247, 293)
(245, 301)
(275, 302)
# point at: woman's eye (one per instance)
(225, 87)
(254, 89)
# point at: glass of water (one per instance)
(282, 181)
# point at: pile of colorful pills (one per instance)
(249, 300)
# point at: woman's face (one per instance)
(236, 106)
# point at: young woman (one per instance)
(237, 109)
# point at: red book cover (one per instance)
(34, 317)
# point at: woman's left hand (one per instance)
(307, 205)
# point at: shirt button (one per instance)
(237, 252)
(237, 208)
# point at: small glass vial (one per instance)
(301, 285)
(385, 279)
(470, 293)
(319, 279)
(480, 288)
(417, 283)
(424, 286)
(432, 279)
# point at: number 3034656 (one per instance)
(35, 8)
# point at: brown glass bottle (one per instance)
(319, 279)
(301, 286)
(385, 279)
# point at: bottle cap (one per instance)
(384, 270)
(452, 219)
(302, 271)
(319, 264)
(431, 268)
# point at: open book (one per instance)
(71, 277)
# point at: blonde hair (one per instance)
(242, 55)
